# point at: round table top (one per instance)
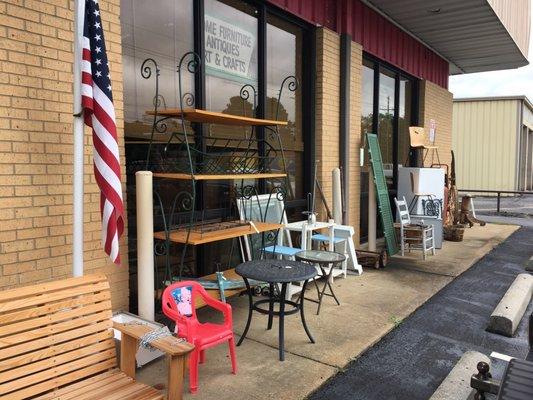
(320, 256)
(276, 271)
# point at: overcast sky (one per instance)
(496, 83)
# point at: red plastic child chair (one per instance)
(178, 305)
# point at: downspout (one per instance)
(344, 123)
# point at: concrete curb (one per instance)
(510, 310)
(457, 384)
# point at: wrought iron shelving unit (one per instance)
(213, 158)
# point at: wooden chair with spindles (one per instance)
(56, 342)
(418, 141)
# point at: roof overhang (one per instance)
(467, 33)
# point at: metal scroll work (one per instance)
(188, 150)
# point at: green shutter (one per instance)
(382, 194)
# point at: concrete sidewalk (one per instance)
(371, 305)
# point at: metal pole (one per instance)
(498, 204)
(78, 127)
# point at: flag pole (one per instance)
(77, 202)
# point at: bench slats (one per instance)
(73, 390)
(53, 334)
(36, 299)
(56, 361)
(50, 330)
(35, 312)
(52, 340)
(58, 371)
(71, 313)
(61, 380)
(56, 343)
(98, 387)
(54, 350)
(44, 288)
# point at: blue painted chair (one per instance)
(343, 242)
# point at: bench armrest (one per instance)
(169, 344)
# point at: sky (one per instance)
(509, 82)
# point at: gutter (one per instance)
(344, 123)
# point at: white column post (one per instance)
(145, 244)
(78, 128)
(337, 195)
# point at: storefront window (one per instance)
(282, 62)
(386, 117)
(405, 115)
(367, 109)
(230, 56)
(367, 118)
(393, 104)
(163, 33)
(231, 51)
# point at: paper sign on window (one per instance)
(432, 127)
(228, 48)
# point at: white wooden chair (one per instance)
(412, 235)
(343, 242)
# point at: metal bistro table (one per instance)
(323, 259)
(276, 272)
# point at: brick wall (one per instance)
(327, 110)
(437, 103)
(354, 192)
(328, 119)
(36, 146)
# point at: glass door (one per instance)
(388, 109)
(387, 123)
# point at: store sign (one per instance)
(228, 48)
(432, 128)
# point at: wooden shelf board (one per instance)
(208, 177)
(212, 117)
(215, 293)
(195, 238)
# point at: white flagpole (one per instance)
(77, 203)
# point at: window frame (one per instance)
(307, 86)
(378, 66)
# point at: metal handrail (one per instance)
(498, 192)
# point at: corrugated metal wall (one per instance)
(377, 35)
(511, 14)
(484, 139)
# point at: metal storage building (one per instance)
(492, 138)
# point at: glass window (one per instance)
(282, 62)
(163, 33)
(405, 117)
(230, 58)
(386, 119)
(231, 54)
(394, 102)
(367, 126)
(367, 108)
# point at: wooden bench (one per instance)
(56, 342)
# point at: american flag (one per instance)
(99, 114)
